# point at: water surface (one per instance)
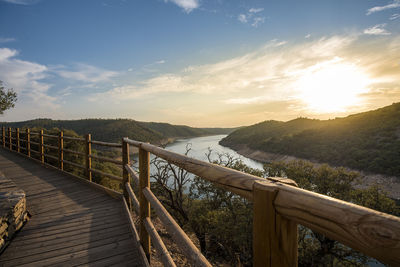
(200, 145)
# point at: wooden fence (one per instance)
(278, 205)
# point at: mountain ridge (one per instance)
(368, 141)
(112, 130)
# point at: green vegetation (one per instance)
(368, 141)
(222, 221)
(7, 98)
(112, 130)
(77, 146)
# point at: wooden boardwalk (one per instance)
(72, 223)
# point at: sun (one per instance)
(332, 86)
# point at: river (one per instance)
(200, 145)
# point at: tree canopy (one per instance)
(7, 98)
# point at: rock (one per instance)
(13, 212)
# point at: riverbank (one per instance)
(390, 184)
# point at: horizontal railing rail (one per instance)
(278, 204)
(373, 233)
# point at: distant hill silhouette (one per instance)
(112, 130)
(367, 141)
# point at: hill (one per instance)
(111, 130)
(368, 141)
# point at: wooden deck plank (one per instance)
(79, 237)
(72, 223)
(83, 256)
(64, 250)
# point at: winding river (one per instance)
(200, 145)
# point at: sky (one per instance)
(202, 63)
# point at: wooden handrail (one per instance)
(50, 135)
(50, 156)
(373, 233)
(132, 196)
(111, 176)
(165, 257)
(50, 146)
(133, 174)
(74, 138)
(144, 211)
(74, 164)
(105, 144)
(74, 152)
(235, 181)
(278, 205)
(115, 161)
(178, 235)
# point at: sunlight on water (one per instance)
(199, 149)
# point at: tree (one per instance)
(222, 221)
(7, 98)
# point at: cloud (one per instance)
(377, 30)
(22, 2)
(85, 73)
(268, 67)
(243, 100)
(242, 18)
(25, 78)
(252, 18)
(307, 36)
(6, 40)
(394, 4)
(257, 21)
(394, 16)
(242, 89)
(256, 10)
(187, 5)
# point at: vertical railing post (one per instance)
(41, 146)
(9, 138)
(144, 212)
(3, 131)
(274, 237)
(17, 136)
(28, 142)
(61, 150)
(125, 174)
(88, 152)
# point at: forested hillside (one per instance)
(367, 141)
(111, 130)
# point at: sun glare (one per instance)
(332, 86)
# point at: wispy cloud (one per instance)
(249, 87)
(257, 21)
(6, 40)
(256, 10)
(187, 5)
(251, 17)
(378, 29)
(394, 16)
(242, 18)
(307, 36)
(394, 4)
(22, 2)
(85, 73)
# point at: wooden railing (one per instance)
(278, 206)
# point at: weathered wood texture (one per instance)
(178, 235)
(274, 237)
(88, 159)
(144, 209)
(232, 180)
(71, 224)
(373, 233)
